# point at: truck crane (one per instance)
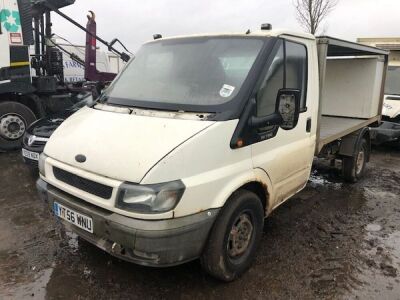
(32, 85)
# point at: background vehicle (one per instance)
(391, 106)
(75, 73)
(39, 132)
(389, 129)
(208, 135)
(32, 85)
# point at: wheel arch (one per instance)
(259, 183)
(349, 144)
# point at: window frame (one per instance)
(226, 111)
(282, 43)
(304, 107)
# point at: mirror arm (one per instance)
(257, 122)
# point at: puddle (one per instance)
(36, 289)
(319, 180)
(382, 274)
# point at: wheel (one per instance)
(353, 168)
(14, 119)
(234, 238)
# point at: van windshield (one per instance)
(393, 81)
(199, 71)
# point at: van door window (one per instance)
(296, 69)
(271, 84)
(287, 70)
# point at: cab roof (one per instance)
(258, 33)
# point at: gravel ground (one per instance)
(331, 241)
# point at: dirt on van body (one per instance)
(332, 241)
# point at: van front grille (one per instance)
(89, 186)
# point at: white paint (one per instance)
(131, 144)
(288, 157)
(353, 87)
(162, 147)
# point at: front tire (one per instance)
(14, 120)
(235, 237)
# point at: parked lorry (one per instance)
(32, 85)
(201, 137)
(74, 72)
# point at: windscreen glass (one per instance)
(190, 71)
(393, 81)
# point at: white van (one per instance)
(201, 137)
(391, 106)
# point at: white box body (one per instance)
(353, 87)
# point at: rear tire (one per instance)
(353, 168)
(15, 118)
(235, 237)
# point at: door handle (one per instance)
(308, 126)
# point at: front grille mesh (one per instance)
(89, 186)
(36, 143)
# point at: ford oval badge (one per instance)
(80, 158)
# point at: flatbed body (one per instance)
(333, 128)
(341, 118)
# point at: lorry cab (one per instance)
(201, 138)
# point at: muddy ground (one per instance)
(332, 241)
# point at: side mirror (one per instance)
(288, 107)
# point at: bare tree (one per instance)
(311, 13)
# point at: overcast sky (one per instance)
(134, 22)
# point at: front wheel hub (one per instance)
(12, 126)
(240, 236)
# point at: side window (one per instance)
(287, 70)
(296, 70)
(271, 84)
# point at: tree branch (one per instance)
(311, 13)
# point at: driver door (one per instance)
(285, 155)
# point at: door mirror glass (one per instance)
(288, 106)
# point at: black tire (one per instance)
(353, 168)
(24, 113)
(217, 259)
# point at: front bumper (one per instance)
(158, 243)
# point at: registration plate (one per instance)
(73, 217)
(30, 154)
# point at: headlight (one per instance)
(154, 198)
(42, 160)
